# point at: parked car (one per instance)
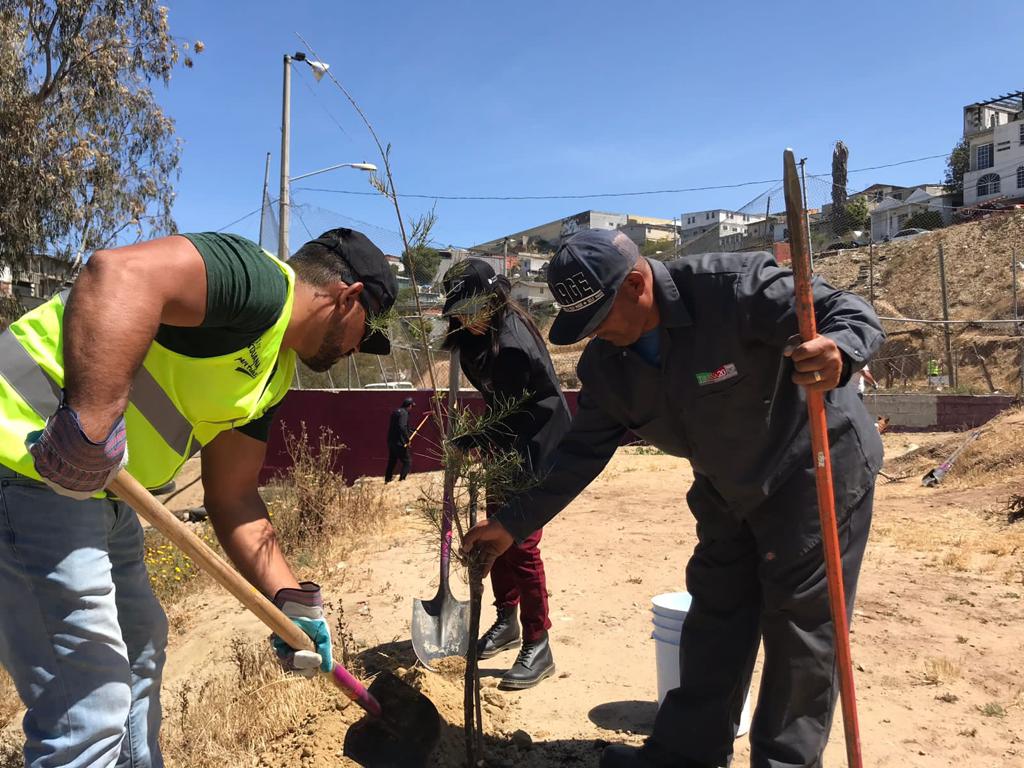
(907, 234)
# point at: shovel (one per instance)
(401, 727)
(440, 626)
(935, 476)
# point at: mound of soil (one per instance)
(996, 454)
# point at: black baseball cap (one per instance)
(465, 283)
(583, 276)
(363, 262)
(407, 402)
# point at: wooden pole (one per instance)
(818, 427)
(945, 317)
(871, 273)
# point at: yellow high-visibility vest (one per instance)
(177, 405)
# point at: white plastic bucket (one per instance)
(671, 605)
(673, 625)
(669, 612)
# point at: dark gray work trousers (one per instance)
(761, 577)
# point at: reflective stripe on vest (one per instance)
(28, 379)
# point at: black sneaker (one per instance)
(502, 635)
(533, 665)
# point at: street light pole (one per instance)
(283, 201)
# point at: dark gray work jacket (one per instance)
(722, 395)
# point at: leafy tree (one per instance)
(86, 154)
(855, 214)
(424, 262)
(925, 220)
(420, 260)
(957, 164)
(840, 160)
(662, 249)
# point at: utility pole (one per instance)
(263, 200)
(807, 217)
(871, 273)
(283, 200)
(1016, 313)
(945, 317)
(769, 228)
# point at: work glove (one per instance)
(305, 607)
(72, 464)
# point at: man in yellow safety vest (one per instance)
(161, 350)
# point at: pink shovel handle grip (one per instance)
(354, 690)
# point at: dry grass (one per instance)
(9, 702)
(940, 671)
(978, 256)
(998, 453)
(231, 718)
(313, 510)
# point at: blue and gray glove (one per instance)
(72, 464)
(305, 607)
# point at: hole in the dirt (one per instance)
(635, 716)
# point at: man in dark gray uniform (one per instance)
(398, 441)
(700, 358)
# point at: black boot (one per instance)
(622, 756)
(502, 635)
(647, 756)
(533, 665)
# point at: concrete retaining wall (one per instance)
(920, 412)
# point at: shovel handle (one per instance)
(156, 514)
(804, 289)
(448, 503)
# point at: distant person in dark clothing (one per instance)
(398, 441)
(504, 356)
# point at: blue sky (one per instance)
(532, 98)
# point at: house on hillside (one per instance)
(43, 277)
(643, 232)
(726, 222)
(891, 215)
(995, 131)
(545, 238)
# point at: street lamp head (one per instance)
(369, 167)
(319, 68)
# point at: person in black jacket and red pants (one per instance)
(503, 355)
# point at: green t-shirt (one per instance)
(245, 293)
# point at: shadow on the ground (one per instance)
(633, 716)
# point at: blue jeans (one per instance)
(81, 632)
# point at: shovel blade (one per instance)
(403, 737)
(440, 628)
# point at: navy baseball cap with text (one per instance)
(583, 277)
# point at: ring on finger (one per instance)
(817, 376)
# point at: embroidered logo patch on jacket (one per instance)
(727, 371)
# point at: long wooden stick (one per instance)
(416, 431)
(156, 514)
(801, 264)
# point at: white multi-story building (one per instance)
(697, 223)
(995, 130)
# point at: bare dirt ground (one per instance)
(936, 638)
(937, 632)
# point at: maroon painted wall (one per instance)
(358, 419)
(967, 412)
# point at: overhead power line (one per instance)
(591, 195)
